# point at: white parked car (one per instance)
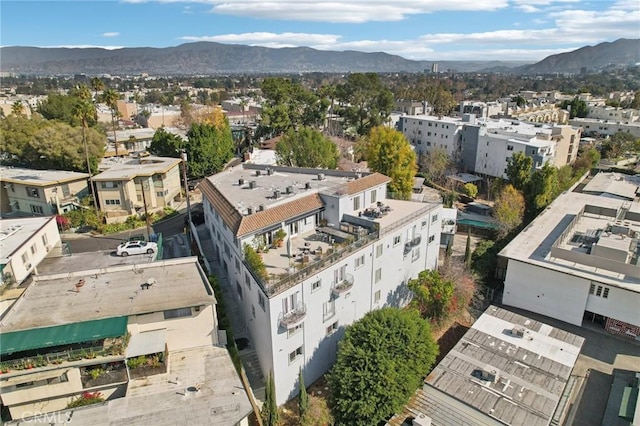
(136, 247)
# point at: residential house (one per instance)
(41, 192)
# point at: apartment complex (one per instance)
(133, 335)
(506, 370)
(484, 146)
(348, 249)
(40, 192)
(126, 185)
(24, 243)
(578, 261)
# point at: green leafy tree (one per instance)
(307, 147)
(381, 362)
(165, 144)
(208, 148)
(578, 108)
(470, 190)
(17, 108)
(432, 294)
(288, 105)
(269, 413)
(303, 398)
(388, 152)
(366, 102)
(519, 170)
(434, 164)
(542, 188)
(61, 107)
(617, 144)
(586, 160)
(509, 209)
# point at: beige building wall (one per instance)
(27, 258)
(182, 333)
(568, 139)
(43, 200)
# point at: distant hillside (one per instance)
(214, 58)
(621, 52)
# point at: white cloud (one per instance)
(352, 11)
(526, 8)
(261, 38)
(111, 34)
(83, 46)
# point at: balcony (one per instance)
(343, 286)
(416, 240)
(293, 317)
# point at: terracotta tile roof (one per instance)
(365, 182)
(243, 225)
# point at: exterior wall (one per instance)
(612, 114)
(567, 145)
(113, 195)
(427, 134)
(49, 197)
(34, 251)
(546, 292)
(620, 304)
(182, 333)
(469, 135)
(607, 128)
(493, 154)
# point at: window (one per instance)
(247, 280)
(424, 223)
(65, 190)
(108, 185)
(356, 203)
(37, 209)
(239, 289)
(162, 193)
(34, 248)
(113, 202)
(33, 192)
(431, 238)
(332, 328)
(45, 240)
(316, 285)
(396, 240)
(25, 257)
(434, 218)
(374, 196)
(294, 330)
(359, 261)
(415, 254)
(24, 385)
(378, 275)
(509, 147)
(592, 288)
(237, 263)
(379, 250)
(605, 293)
(328, 309)
(376, 297)
(261, 301)
(177, 313)
(599, 291)
(295, 354)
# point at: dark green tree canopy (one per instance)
(165, 144)
(381, 362)
(61, 107)
(366, 102)
(208, 149)
(578, 108)
(307, 147)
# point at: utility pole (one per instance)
(183, 156)
(146, 214)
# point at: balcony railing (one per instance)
(343, 286)
(293, 317)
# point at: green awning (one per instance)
(47, 337)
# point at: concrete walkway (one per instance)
(248, 354)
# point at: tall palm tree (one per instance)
(85, 110)
(17, 108)
(111, 97)
(97, 85)
(243, 105)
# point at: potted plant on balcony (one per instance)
(279, 237)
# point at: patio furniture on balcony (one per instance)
(343, 286)
(294, 317)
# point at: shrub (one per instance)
(87, 398)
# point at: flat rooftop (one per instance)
(613, 184)
(242, 196)
(129, 168)
(527, 375)
(38, 177)
(165, 400)
(14, 233)
(533, 245)
(109, 292)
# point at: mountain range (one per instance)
(208, 58)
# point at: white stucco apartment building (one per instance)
(578, 261)
(352, 250)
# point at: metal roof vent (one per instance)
(276, 194)
(320, 176)
(517, 331)
(252, 184)
(307, 185)
(270, 171)
(289, 189)
(240, 181)
(249, 210)
(261, 208)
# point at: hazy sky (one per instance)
(415, 29)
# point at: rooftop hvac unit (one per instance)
(276, 194)
(252, 184)
(261, 208)
(240, 181)
(269, 172)
(289, 190)
(422, 420)
(307, 185)
(517, 331)
(320, 176)
(257, 172)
